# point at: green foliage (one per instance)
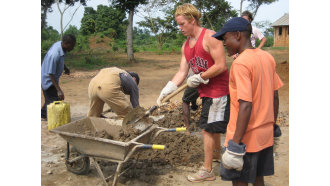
(110, 32)
(49, 33)
(128, 5)
(269, 41)
(48, 37)
(87, 24)
(109, 20)
(72, 30)
(115, 48)
(82, 43)
(280, 48)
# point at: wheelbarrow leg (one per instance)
(115, 178)
(98, 168)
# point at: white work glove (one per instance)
(194, 80)
(168, 89)
(233, 156)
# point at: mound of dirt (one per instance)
(181, 149)
(98, 43)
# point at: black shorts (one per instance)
(215, 114)
(255, 164)
(190, 95)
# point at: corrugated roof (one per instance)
(283, 21)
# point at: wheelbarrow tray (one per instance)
(74, 133)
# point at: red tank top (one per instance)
(199, 61)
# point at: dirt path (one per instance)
(154, 72)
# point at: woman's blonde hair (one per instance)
(189, 11)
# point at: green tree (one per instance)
(73, 30)
(49, 33)
(105, 19)
(162, 28)
(48, 36)
(88, 21)
(130, 7)
(109, 17)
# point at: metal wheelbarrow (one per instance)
(90, 149)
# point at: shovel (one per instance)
(134, 117)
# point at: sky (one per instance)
(270, 12)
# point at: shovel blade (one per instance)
(142, 126)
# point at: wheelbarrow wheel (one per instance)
(80, 166)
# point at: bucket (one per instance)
(58, 114)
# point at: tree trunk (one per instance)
(61, 23)
(129, 39)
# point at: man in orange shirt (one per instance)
(253, 85)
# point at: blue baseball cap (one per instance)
(236, 24)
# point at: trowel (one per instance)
(135, 116)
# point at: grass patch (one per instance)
(277, 48)
(94, 61)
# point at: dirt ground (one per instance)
(154, 71)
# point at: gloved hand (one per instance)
(194, 80)
(233, 156)
(168, 89)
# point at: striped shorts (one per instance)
(215, 114)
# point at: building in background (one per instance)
(281, 31)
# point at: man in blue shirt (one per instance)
(51, 70)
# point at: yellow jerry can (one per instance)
(58, 114)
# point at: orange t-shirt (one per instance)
(253, 78)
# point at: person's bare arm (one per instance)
(243, 118)
(180, 76)
(217, 51)
(262, 43)
(59, 91)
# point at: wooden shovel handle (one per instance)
(175, 93)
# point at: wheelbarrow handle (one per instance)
(177, 129)
(153, 146)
